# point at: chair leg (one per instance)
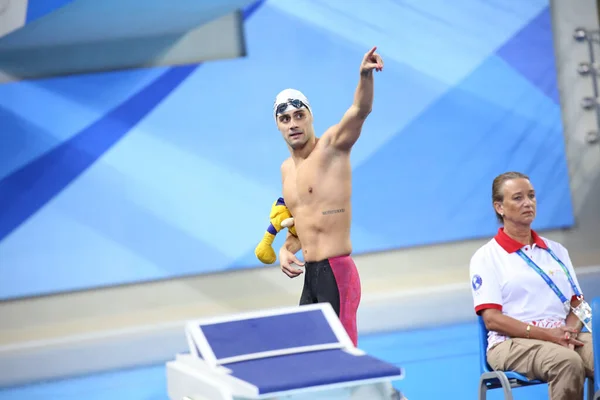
(506, 387)
(503, 381)
(483, 389)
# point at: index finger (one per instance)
(370, 53)
(290, 268)
(297, 262)
(575, 342)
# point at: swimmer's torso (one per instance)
(317, 192)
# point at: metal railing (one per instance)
(590, 68)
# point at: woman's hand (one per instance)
(564, 336)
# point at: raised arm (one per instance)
(346, 133)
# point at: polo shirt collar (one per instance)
(511, 245)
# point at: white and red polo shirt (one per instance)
(501, 279)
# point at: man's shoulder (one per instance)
(326, 143)
(326, 137)
(286, 164)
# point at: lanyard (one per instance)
(547, 278)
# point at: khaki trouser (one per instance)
(564, 369)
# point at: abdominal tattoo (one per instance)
(336, 211)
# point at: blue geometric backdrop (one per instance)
(155, 173)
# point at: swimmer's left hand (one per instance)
(371, 61)
(287, 259)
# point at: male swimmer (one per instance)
(317, 188)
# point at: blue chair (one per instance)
(596, 340)
(507, 380)
(490, 379)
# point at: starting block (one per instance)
(295, 353)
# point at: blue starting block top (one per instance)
(275, 333)
(323, 367)
(285, 349)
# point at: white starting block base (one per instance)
(186, 382)
(297, 353)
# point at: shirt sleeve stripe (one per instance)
(482, 307)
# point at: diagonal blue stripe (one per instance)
(37, 9)
(28, 189)
(531, 52)
(251, 9)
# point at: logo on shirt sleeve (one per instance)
(476, 282)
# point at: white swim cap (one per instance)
(290, 97)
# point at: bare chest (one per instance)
(302, 187)
(313, 183)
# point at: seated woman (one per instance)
(532, 327)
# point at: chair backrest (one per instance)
(483, 343)
(596, 340)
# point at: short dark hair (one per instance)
(497, 186)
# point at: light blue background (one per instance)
(148, 174)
